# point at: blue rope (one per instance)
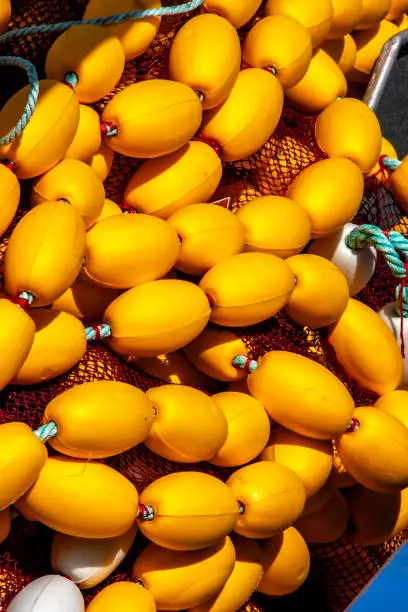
(243, 363)
(390, 163)
(45, 432)
(97, 332)
(60, 27)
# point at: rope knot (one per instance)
(128, 210)
(94, 333)
(24, 300)
(211, 143)
(10, 164)
(353, 426)
(270, 69)
(47, 431)
(71, 80)
(108, 129)
(245, 363)
(145, 513)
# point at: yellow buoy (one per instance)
(88, 562)
(280, 43)
(180, 580)
(326, 524)
(208, 234)
(22, 458)
(173, 368)
(319, 499)
(373, 12)
(51, 129)
(314, 403)
(238, 12)
(275, 225)
(349, 128)
(45, 252)
(136, 35)
(5, 15)
(369, 46)
(330, 191)
(343, 51)
(340, 478)
(373, 515)
(183, 434)
(152, 118)
(271, 497)
(5, 524)
(156, 318)
(395, 403)
(206, 56)
(162, 186)
(213, 351)
(87, 140)
(316, 15)
(310, 459)
(248, 429)
(248, 117)
(308, 95)
(99, 419)
(101, 162)
(85, 300)
(243, 581)
(397, 9)
(402, 23)
(124, 251)
(90, 53)
(123, 597)
(380, 172)
(187, 511)
(247, 288)
(374, 450)
(81, 498)
(75, 183)
(59, 343)
(10, 197)
(16, 339)
(109, 209)
(239, 386)
(321, 293)
(398, 184)
(347, 14)
(286, 563)
(367, 349)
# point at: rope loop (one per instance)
(98, 332)
(245, 363)
(390, 163)
(46, 432)
(371, 235)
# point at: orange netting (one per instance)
(343, 569)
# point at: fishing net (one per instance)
(343, 570)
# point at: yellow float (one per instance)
(238, 12)
(379, 171)
(183, 434)
(239, 192)
(395, 403)
(319, 499)
(369, 46)
(180, 580)
(208, 234)
(373, 515)
(373, 12)
(187, 511)
(398, 185)
(160, 187)
(173, 368)
(271, 498)
(123, 597)
(397, 9)
(314, 403)
(247, 288)
(85, 300)
(89, 500)
(327, 524)
(248, 429)
(5, 15)
(206, 56)
(16, 339)
(316, 16)
(10, 197)
(343, 51)
(347, 14)
(87, 140)
(101, 162)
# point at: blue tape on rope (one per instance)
(60, 27)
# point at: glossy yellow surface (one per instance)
(156, 318)
(321, 293)
(16, 339)
(75, 183)
(160, 187)
(308, 95)
(286, 563)
(102, 161)
(315, 15)
(208, 234)
(310, 459)
(386, 149)
(87, 140)
(49, 133)
(99, 419)
(22, 458)
(248, 117)
(275, 225)
(314, 403)
(125, 251)
(192, 510)
(153, 118)
(10, 197)
(373, 12)
(181, 580)
(206, 56)
(238, 12)
(376, 454)
(94, 54)
(326, 524)
(343, 51)
(173, 368)
(45, 252)
(80, 498)
(347, 14)
(282, 43)
(59, 343)
(319, 499)
(248, 429)
(395, 403)
(349, 128)
(85, 300)
(188, 427)
(5, 15)
(123, 597)
(330, 191)
(272, 495)
(398, 184)
(135, 36)
(243, 581)
(247, 288)
(397, 9)
(212, 353)
(369, 46)
(366, 348)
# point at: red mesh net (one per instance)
(343, 569)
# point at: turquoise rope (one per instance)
(243, 363)
(46, 432)
(60, 27)
(98, 332)
(390, 163)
